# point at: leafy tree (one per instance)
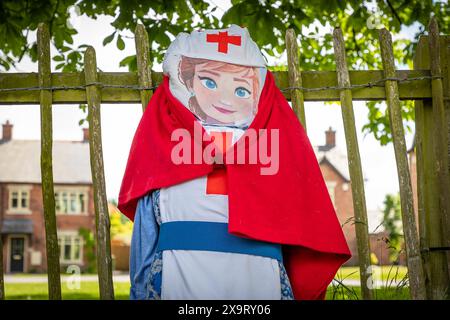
(392, 223)
(120, 225)
(266, 20)
(90, 252)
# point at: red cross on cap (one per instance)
(223, 39)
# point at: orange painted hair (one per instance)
(186, 73)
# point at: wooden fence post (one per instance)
(354, 165)
(48, 195)
(143, 64)
(295, 76)
(93, 95)
(414, 259)
(422, 138)
(435, 261)
(440, 130)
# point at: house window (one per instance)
(70, 248)
(70, 202)
(19, 200)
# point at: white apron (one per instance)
(195, 274)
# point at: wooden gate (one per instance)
(427, 252)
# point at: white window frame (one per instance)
(20, 190)
(67, 193)
(73, 235)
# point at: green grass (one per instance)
(354, 293)
(38, 291)
(89, 289)
(392, 287)
(385, 273)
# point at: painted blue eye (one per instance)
(208, 83)
(242, 93)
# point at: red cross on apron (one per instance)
(223, 39)
(216, 182)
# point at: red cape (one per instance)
(292, 207)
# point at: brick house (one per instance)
(378, 241)
(21, 210)
(334, 166)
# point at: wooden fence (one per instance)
(427, 251)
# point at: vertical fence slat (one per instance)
(446, 57)
(440, 131)
(143, 64)
(435, 261)
(295, 76)
(420, 168)
(48, 195)
(414, 259)
(354, 164)
(104, 260)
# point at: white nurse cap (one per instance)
(231, 45)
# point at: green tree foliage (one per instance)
(392, 223)
(120, 225)
(89, 249)
(266, 20)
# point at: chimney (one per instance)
(7, 131)
(85, 134)
(330, 138)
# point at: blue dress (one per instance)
(146, 263)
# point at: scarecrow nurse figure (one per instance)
(225, 231)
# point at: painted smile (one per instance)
(226, 111)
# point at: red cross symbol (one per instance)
(216, 182)
(223, 39)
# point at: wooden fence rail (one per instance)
(123, 87)
(427, 251)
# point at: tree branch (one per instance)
(394, 12)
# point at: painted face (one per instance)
(227, 97)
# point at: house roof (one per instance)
(20, 162)
(335, 158)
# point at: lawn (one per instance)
(384, 273)
(354, 293)
(89, 289)
(38, 291)
(389, 283)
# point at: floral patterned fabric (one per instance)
(155, 274)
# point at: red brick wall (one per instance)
(36, 241)
(344, 207)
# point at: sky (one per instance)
(120, 121)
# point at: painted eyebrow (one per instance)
(213, 73)
(241, 80)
